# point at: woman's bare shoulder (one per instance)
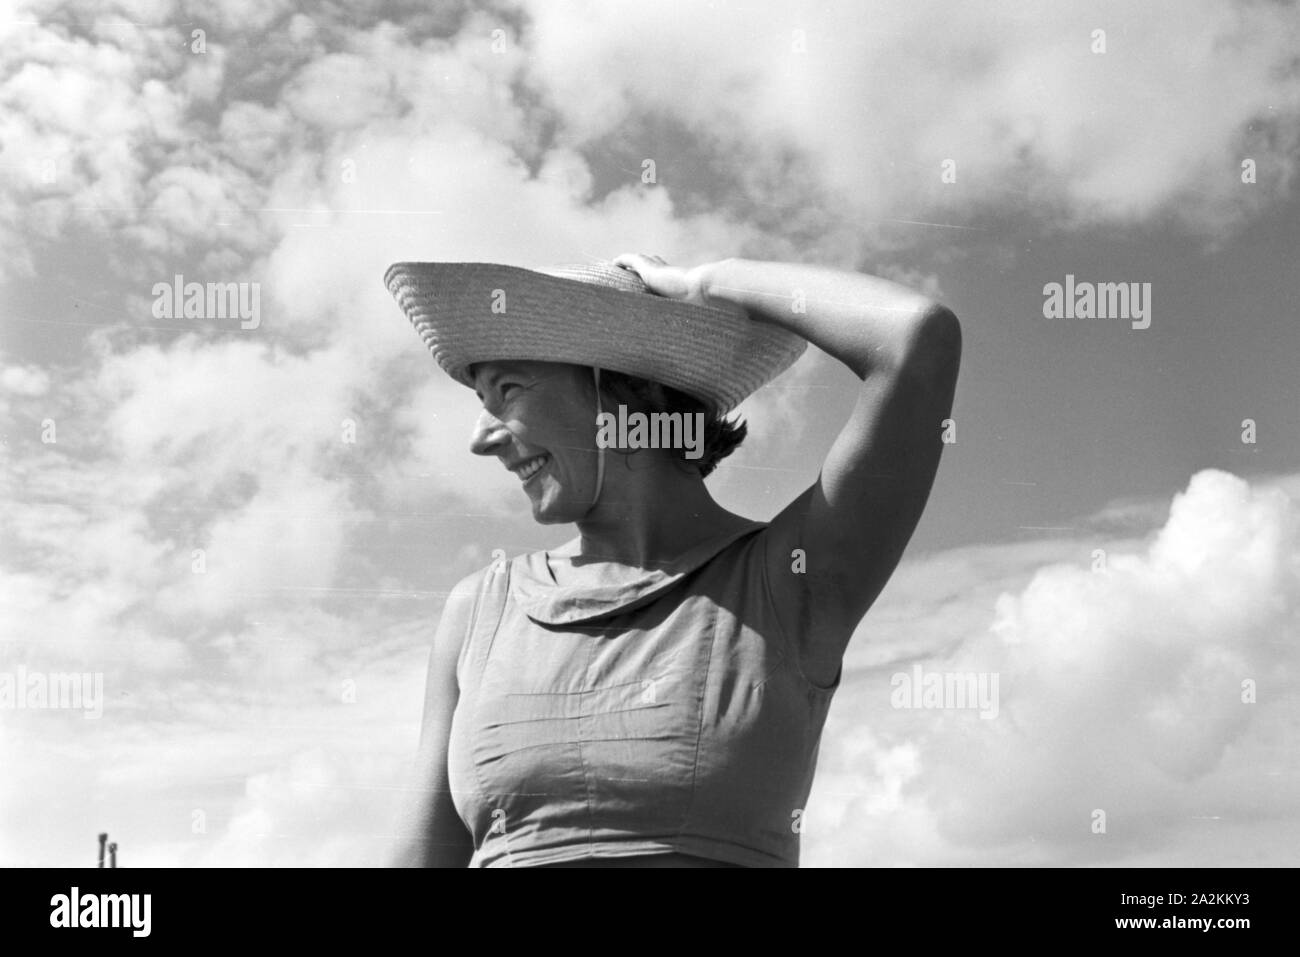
(458, 614)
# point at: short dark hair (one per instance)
(722, 436)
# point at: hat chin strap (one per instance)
(600, 449)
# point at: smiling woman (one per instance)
(545, 441)
(512, 385)
(653, 692)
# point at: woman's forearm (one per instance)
(866, 322)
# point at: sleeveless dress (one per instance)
(652, 711)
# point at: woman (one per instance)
(653, 692)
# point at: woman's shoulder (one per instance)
(467, 594)
(472, 583)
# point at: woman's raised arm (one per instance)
(854, 522)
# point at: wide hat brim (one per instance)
(594, 314)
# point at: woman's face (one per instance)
(539, 419)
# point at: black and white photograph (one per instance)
(543, 433)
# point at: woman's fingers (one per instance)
(637, 261)
(673, 282)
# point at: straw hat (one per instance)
(596, 314)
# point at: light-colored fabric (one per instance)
(648, 711)
(592, 314)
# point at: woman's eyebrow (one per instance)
(520, 374)
(494, 376)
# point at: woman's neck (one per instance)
(648, 518)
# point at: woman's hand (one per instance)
(672, 282)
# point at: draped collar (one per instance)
(605, 588)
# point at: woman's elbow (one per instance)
(934, 344)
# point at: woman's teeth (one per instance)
(531, 468)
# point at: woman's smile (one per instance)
(531, 468)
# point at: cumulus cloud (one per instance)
(1035, 121)
(322, 808)
(24, 380)
(1151, 683)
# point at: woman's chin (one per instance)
(544, 507)
(551, 509)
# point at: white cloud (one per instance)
(321, 808)
(1034, 120)
(24, 380)
(1120, 689)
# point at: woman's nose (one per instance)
(488, 435)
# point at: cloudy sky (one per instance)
(249, 532)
